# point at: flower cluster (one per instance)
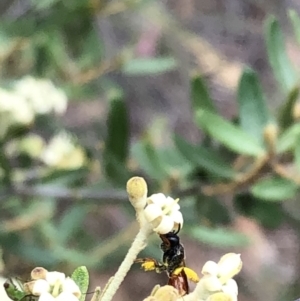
(161, 212)
(50, 286)
(217, 278)
(27, 98)
(63, 153)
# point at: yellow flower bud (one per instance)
(137, 192)
(229, 265)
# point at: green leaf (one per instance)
(218, 237)
(294, 17)
(81, 278)
(285, 111)
(149, 160)
(200, 95)
(282, 67)
(268, 214)
(228, 134)
(287, 140)
(204, 157)
(274, 189)
(253, 111)
(149, 66)
(117, 140)
(297, 152)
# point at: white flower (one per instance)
(163, 213)
(42, 95)
(40, 286)
(218, 278)
(62, 153)
(14, 108)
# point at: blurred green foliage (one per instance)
(255, 161)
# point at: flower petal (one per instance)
(230, 287)
(53, 277)
(166, 225)
(177, 217)
(229, 265)
(152, 212)
(40, 286)
(46, 297)
(66, 296)
(157, 198)
(70, 286)
(211, 283)
(210, 268)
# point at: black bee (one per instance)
(173, 262)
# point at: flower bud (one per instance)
(38, 273)
(229, 265)
(137, 192)
(210, 268)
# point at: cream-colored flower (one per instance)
(55, 277)
(42, 95)
(63, 153)
(163, 213)
(217, 283)
(14, 108)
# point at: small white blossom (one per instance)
(42, 95)
(62, 153)
(217, 282)
(163, 213)
(14, 108)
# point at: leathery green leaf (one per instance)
(117, 140)
(278, 58)
(287, 140)
(274, 189)
(297, 152)
(253, 111)
(228, 134)
(203, 157)
(200, 95)
(81, 278)
(295, 19)
(218, 237)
